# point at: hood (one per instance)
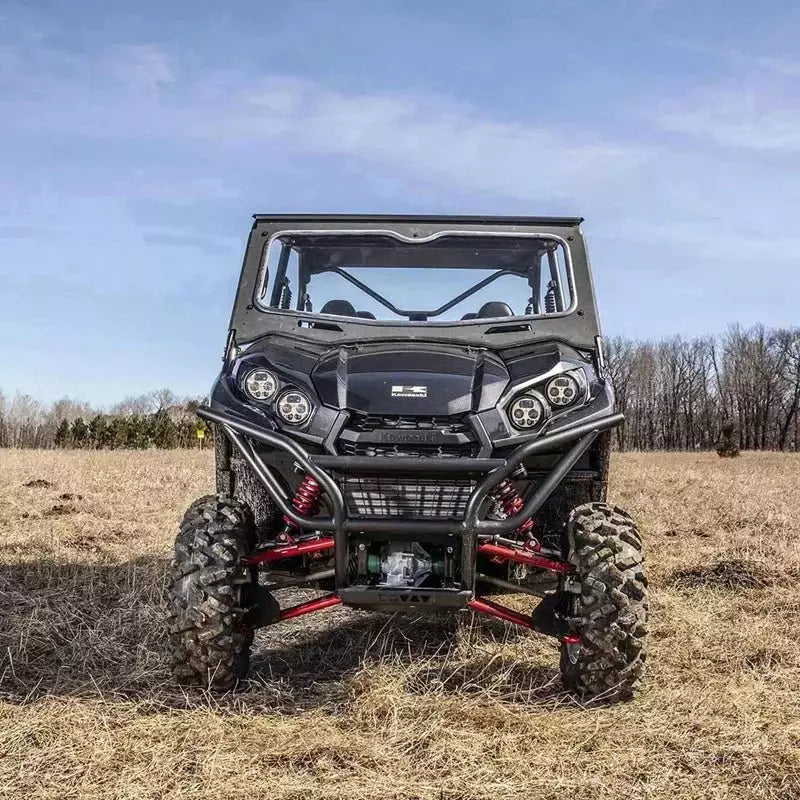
(410, 379)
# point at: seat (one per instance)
(365, 314)
(341, 308)
(493, 309)
(471, 315)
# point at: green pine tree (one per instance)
(118, 433)
(136, 432)
(108, 438)
(63, 438)
(97, 430)
(80, 433)
(165, 434)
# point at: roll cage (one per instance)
(576, 324)
(513, 254)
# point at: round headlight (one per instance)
(294, 407)
(526, 412)
(562, 390)
(261, 385)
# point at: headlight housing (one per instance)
(526, 411)
(563, 390)
(260, 385)
(294, 407)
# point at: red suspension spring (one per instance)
(508, 496)
(306, 498)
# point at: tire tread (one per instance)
(611, 618)
(209, 635)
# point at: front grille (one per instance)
(468, 450)
(407, 436)
(366, 423)
(406, 496)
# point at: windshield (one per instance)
(451, 277)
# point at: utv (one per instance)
(413, 413)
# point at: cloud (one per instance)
(185, 135)
(142, 92)
(142, 67)
(429, 137)
(738, 59)
(752, 119)
(754, 104)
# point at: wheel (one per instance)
(610, 615)
(209, 595)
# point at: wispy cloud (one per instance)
(781, 64)
(198, 123)
(142, 67)
(142, 91)
(741, 118)
(753, 104)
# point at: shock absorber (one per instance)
(550, 298)
(305, 502)
(510, 500)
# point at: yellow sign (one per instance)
(201, 434)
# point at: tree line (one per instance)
(676, 393)
(158, 419)
(679, 393)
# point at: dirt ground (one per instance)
(352, 705)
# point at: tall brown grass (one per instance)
(353, 705)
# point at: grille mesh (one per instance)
(371, 428)
(406, 496)
(408, 450)
(366, 423)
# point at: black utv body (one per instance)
(413, 413)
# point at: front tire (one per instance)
(209, 630)
(610, 616)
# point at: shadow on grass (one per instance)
(97, 631)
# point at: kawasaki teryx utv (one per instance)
(413, 413)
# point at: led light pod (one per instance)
(563, 390)
(261, 385)
(294, 407)
(526, 412)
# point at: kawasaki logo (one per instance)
(408, 437)
(409, 391)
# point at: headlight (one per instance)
(527, 411)
(562, 390)
(294, 407)
(261, 385)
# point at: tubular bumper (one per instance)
(473, 525)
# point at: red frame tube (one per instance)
(317, 604)
(290, 551)
(485, 606)
(524, 557)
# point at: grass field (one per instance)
(352, 705)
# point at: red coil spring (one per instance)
(508, 496)
(306, 498)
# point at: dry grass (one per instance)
(352, 705)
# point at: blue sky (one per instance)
(136, 139)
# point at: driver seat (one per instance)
(339, 308)
(495, 308)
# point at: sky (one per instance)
(137, 139)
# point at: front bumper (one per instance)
(470, 527)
